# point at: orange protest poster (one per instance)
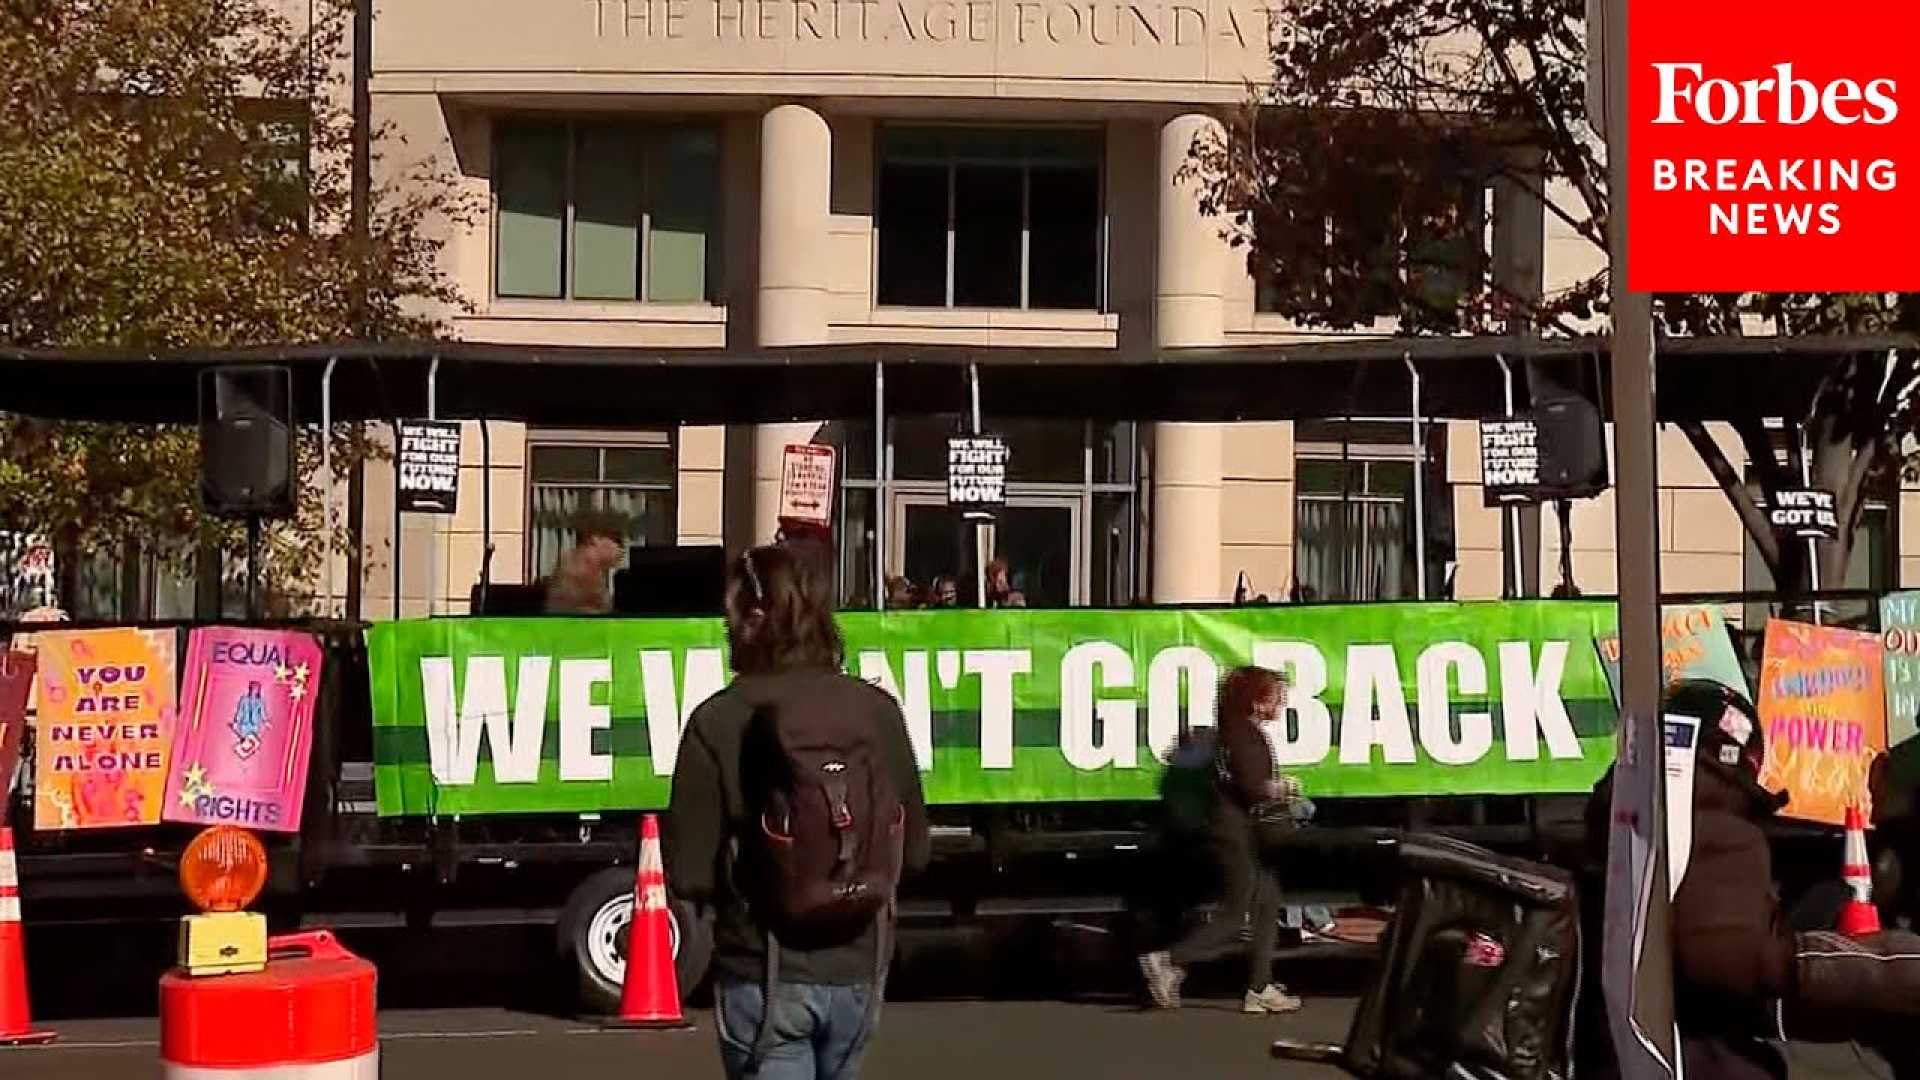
(1823, 706)
(103, 734)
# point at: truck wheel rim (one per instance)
(607, 938)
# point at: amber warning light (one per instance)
(222, 871)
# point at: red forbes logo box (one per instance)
(1774, 147)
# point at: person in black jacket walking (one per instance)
(1249, 796)
(785, 648)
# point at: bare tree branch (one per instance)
(1736, 489)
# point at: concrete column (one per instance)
(796, 171)
(1190, 274)
(1186, 514)
(796, 175)
(1191, 260)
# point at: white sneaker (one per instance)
(1163, 979)
(1273, 998)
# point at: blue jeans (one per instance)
(818, 1032)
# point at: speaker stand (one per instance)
(253, 568)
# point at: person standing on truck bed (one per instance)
(1251, 801)
(580, 583)
(796, 805)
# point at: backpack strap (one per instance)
(882, 961)
(763, 1039)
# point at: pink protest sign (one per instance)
(246, 729)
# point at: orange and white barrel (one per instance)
(309, 1016)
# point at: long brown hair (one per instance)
(1244, 689)
(780, 613)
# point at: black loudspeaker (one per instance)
(671, 581)
(500, 599)
(1572, 441)
(246, 441)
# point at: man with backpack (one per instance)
(796, 807)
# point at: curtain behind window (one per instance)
(1374, 549)
(550, 532)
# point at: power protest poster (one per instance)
(1694, 644)
(246, 729)
(1900, 648)
(479, 716)
(1823, 707)
(104, 731)
(1900, 644)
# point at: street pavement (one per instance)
(946, 1040)
(951, 1040)
(465, 1006)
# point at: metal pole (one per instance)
(1509, 514)
(486, 514)
(434, 587)
(1348, 557)
(1813, 545)
(253, 567)
(980, 551)
(360, 216)
(326, 478)
(396, 521)
(879, 487)
(1419, 485)
(1639, 981)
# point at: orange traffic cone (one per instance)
(1858, 916)
(16, 1019)
(650, 996)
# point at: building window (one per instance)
(605, 211)
(1354, 515)
(567, 476)
(1364, 270)
(990, 218)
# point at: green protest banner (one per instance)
(476, 716)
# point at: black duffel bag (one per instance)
(1477, 974)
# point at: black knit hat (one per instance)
(1730, 733)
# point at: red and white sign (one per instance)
(1773, 147)
(807, 477)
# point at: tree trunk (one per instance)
(1835, 467)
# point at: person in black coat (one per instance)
(1250, 805)
(1742, 977)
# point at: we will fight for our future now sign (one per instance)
(1768, 161)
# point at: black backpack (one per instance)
(829, 824)
(1191, 782)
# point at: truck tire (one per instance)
(593, 939)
